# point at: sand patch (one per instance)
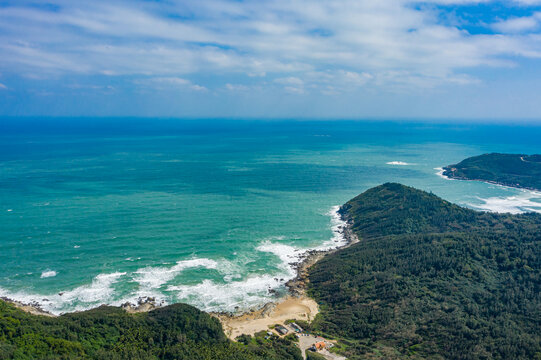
(291, 307)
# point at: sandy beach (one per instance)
(291, 307)
(296, 305)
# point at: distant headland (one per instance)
(514, 170)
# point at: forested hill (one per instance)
(516, 170)
(432, 280)
(173, 332)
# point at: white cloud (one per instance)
(171, 80)
(3, 87)
(528, 2)
(348, 43)
(198, 88)
(290, 81)
(294, 90)
(519, 24)
(168, 82)
(237, 87)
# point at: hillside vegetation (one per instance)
(174, 332)
(517, 170)
(432, 280)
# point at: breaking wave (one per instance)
(150, 279)
(398, 163)
(440, 173)
(233, 292)
(98, 292)
(48, 273)
(527, 201)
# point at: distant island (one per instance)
(515, 170)
(427, 280)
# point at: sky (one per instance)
(330, 59)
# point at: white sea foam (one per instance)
(239, 169)
(515, 204)
(291, 255)
(286, 253)
(337, 226)
(100, 291)
(211, 296)
(234, 291)
(254, 290)
(132, 259)
(151, 279)
(48, 273)
(526, 201)
(398, 163)
(440, 173)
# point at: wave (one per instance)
(255, 290)
(235, 292)
(48, 273)
(100, 291)
(150, 279)
(337, 227)
(232, 296)
(440, 173)
(398, 163)
(288, 254)
(515, 204)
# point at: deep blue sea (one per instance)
(207, 212)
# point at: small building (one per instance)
(296, 327)
(320, 346)
(281, 330)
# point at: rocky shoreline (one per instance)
(32, 308)
(297, 285)
(295, 305)
(449, 173)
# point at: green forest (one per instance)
(177, 331)
(431, 280)
(516, 170)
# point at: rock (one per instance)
(268, 309)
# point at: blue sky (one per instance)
(440, 59)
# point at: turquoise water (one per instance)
(209, 213)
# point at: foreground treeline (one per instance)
(174, 332)
(430, 279)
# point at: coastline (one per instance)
(447, 173)
(294, 305)
(33, 309)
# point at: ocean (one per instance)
(208, 212)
